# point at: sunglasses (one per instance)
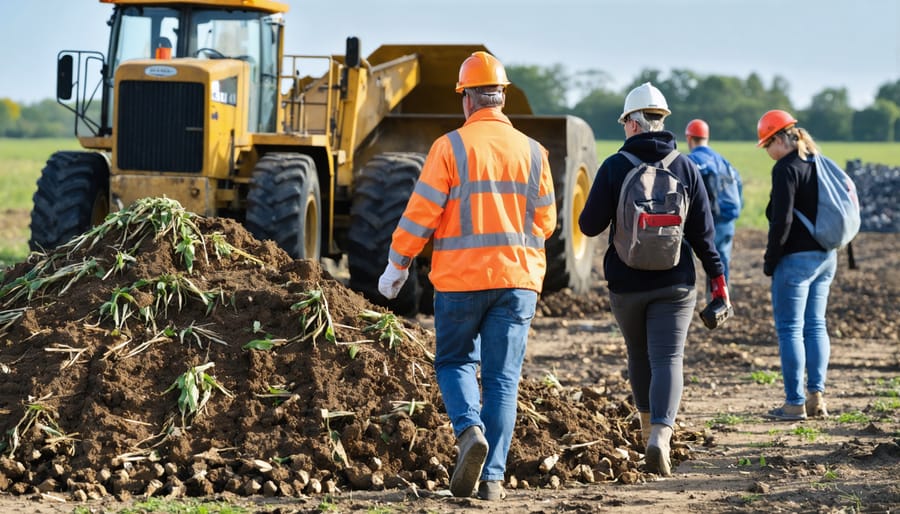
(770, 141)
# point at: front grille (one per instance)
(160, 126)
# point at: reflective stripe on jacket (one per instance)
(486, 196)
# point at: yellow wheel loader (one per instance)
(197, 101)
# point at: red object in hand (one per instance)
(718, 288)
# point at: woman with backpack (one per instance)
(651, 293)
(800, 267)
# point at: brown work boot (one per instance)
(788, 412)
(645, 428)
(657, 455)
(815, 405)
(473, 448)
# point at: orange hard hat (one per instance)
(481, 69)
(697, 128)
(771, 122)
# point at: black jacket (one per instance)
(699, 231)
(794, 186)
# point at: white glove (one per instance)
(391, 281)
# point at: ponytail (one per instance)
(802, 141)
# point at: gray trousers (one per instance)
(655, 326)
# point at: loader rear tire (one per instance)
(284, 204)
(382, 189)
(72, 196)
(570, 253)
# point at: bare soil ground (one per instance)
(307, 425)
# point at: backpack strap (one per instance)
(666, 161)
(631, 157)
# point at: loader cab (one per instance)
(186, 31)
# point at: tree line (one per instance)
(731, 105)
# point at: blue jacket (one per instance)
(600, 212)
(723, 183)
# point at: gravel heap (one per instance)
(878, 186)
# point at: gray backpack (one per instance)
(650, 216)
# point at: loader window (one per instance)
(217, 34)
(142, 31)
(206, 33)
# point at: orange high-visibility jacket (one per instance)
(486, 195)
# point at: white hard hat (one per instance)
(645, 98)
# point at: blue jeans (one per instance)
(800, 287)
(724, 241)
(487, 328)
(655, 325)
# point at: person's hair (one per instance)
(649, 121)
(799, 139)
(486, 96)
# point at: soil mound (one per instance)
(168, 354)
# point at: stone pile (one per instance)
(878, 186)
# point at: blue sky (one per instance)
(813, 44)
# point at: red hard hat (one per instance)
(481, 69)
(771, 122)
(697, 128)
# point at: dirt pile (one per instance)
(168, 354)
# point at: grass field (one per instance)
(21, 161)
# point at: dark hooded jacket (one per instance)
(794, 186)
(699, 231)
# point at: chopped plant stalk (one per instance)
(196, 388)
(116, 350)
(276, 391)
(123, 259)
(390, 329)
(532, 414)
(408, 407)
(259, 344)
(550, 381)
(41, 277)
(44, 418)
(223, 248)
(196, 331)
(387, 325)
(167, 430)
(74, 353)
(338, 454)
(315, 319)
(263, 344)
(79, 270)
(118, 307)
(266, 343)
(9, 317)
(148, 217)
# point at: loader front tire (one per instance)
(284, 204)
(570, 253)
(72, 196)
(382, 189)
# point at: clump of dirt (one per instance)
(193, 363)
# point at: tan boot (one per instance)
(815, 405)
(658, 459)
(788, 412)
(645, 428)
